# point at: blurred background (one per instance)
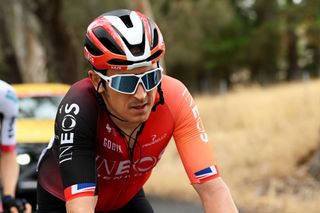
(252, 65)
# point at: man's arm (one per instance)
(215, 196)
(82, 204)
(9, 172)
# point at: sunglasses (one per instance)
(128, 83)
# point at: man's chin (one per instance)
(139, 118)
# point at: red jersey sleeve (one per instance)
(189, 134)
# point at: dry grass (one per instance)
(259, 136)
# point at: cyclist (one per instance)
(9, 169)
(112, 128)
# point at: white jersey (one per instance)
(9, 108)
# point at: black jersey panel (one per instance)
(75, 130)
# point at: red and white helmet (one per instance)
(123, 40)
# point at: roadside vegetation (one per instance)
(264, 140)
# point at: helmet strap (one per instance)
(161, 97)
(101, 82)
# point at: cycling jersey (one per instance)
(90, 156)
(47, 203)
(9, 108)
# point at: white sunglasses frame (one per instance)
(109, 80)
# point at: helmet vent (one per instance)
(126, 20)
(107, 41)
(120, 62)
(155, 55)
(136, 49)
(154, 41)
(154, 34)
(91, 47)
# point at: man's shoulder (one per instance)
(82, 92)
(82, 84)
(8, 96)
(173, 88)
(4, 86)
(81, 88)
(174, 92)
(171, 84)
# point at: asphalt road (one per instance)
(167, 206)
(161, 205)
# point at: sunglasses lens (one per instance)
(125, 84)
(128, 83)
(152, 79)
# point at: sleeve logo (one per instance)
(207, 172)
(81, 189)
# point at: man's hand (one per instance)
(14, 205)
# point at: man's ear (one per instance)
(95, 79)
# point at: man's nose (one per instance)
(140, 93)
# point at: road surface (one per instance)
(167, 206)
(161, 205)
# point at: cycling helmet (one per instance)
(123, 40)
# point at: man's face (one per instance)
(133, 108)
